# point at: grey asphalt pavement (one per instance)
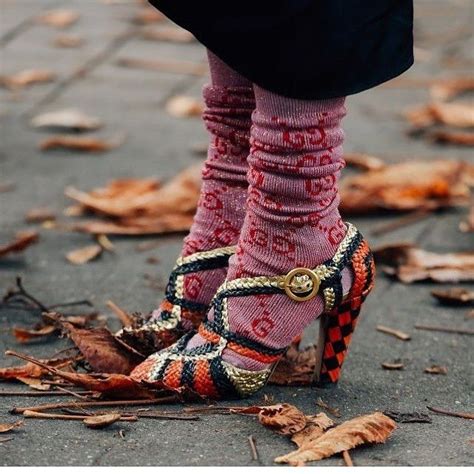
(131, 101)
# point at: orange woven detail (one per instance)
(172, 376)
(208, 335)
(360, 269)
(203, 383)
(142, 371)
(166, 306)
(252, 354)
(195, 317)
(334, 374)
(329, 351)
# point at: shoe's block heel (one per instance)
(338, 325)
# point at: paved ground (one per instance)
(131, 101)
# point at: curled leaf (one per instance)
(101, 421)
(84, 254)
(66, 119)
(6, 427)
(373, 428)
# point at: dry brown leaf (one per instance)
(373, 428)
(455, 114)
(283, 418)
(6, 427)
(393, 365)
(454, 296)
(455, 137)
(39, 215)
(364, 161)
(60, 18)
(82, 144)
(22, 241)
(436, 370)
(84, 254)
(445, 89)
(33, 383)
(31, 370)
(409, 263)
(296, 367)
(102, 350)
(184, 106)
(113, 385)
(406, 187)
(68, 41)
(25, 335)
(168, 33)
(26, 78)
(315, 427)
(67, 119)
(101, 421)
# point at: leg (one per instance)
(292, 221)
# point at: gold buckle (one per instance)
(301, 284)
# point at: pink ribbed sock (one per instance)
(229, 104)
(292, 217)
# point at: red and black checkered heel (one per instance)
(338, 324)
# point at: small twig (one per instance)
(58, 416)
(253, 448)
(74, 394)
(394, 332)
(334, 411)
(165, 416)
(347, 459)
(37, 393)
(468, 416)
(108, 403)
(210, 410)
(411, 218)
(27, 295)
(466, 332)
(5, 439)
(125, 318)
(73, 303)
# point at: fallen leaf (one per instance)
(103, 352)
(24, 335)
(184, 106)
(454, 296)
(84, 254)
(406, 187)
(373, 428)
(409, 263)
(455, 114)
(82, 144)
(67, 119)
(445, 89)
(34, 383)
(393, 365)
(22, 241)
(6, 427)
(436, 370)
(39, 215)
(113, 385)
(315, 427)
(296, 367)
(283, 418)
(141, 206)
(455, 137)
(26, 78)
(31, 370)
(415, 417)
(68, 41)
(169, 33)
(60, 18)
(364, 161)
(101, 421)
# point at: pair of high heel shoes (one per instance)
(203, 370)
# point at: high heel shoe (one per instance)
(203, 370)
(177, 314)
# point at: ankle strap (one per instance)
(301, 284)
